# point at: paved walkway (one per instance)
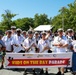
(52, 71)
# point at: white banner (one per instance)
(38, 60)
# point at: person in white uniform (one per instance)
(49, 36)
(60, 43)
(13, 30)
(8, 40)
(70, 37)
(24, 34)
(30, 46)
(36, 37)
(17, 42)
(43, 46)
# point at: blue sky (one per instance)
(28, 8)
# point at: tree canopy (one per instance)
(68, 15)
(65, 19)
(6, 20)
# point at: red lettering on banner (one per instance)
(38, 62)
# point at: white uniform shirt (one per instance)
(62, 40)
(8, 42)
(50, 38)
(74, 45)
(69, 39)
(27, 43)
(42, 44)
(18, 40)
(36, 39)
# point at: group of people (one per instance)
(17, 41)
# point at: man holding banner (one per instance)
(44, 46)
(29, 45)
(60, 43)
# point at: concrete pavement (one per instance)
(52, 71)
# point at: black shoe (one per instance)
(41, 72)
(16, 69)
(65, 71)
(46, 73)
(34, 72)
(59, 73)
(74, 73)
(71, 70)
(25, 72)
(1, 67)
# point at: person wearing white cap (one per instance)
(49, 36)
(36, 37)
(60, 43)
(70, 34)
(70, 38)
(43, 42)
(7, 40)
(13, 30)
(29, 43)
(17, 42)
(30, 46)
(24, 34)
(44, 46)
